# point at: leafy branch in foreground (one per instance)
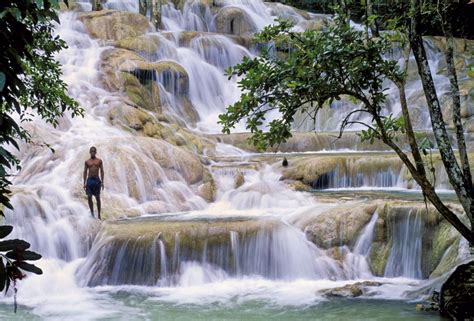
(319, 68)
(13, 256)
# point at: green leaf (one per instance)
(23, 255)
(30, 268)
(14, 244)
(5, 230)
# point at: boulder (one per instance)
(126, 71)
(339, 226)
(239, 179)
(308, 170)
(378, 256)
(208, 191)
(457, 294)
(234, 21)
(115, 25)
(444, 250)
(147, 45)
(298, 186)
(351, 290)
(128, 116)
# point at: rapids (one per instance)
(169, 254)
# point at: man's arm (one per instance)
(84, 175)
(101, 169)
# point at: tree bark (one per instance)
(408, 124)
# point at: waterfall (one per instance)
(274, 250)
(161, 239)
(356, 262)
(405, 254)
(123, 5)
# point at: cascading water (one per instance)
(405, 255)
(356, 261)
(245, 247)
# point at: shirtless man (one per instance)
(92, 183)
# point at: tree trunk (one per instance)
(453, 79)
(450, 163)
(408, 124)
(455, 175)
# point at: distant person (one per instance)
(285, 162)
(92, 183)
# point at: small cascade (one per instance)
(374, 172)
(262, 191)
(405, 254)
(219, 50)
(163, 264)
(122, 5)
(84, 5)
(356, 264)
(267, 249)
(51, 221)
(194, 17)
(234, 244)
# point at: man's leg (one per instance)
(91, 205)
(97, 198)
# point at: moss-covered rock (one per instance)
(321, 171)
(351, 290)
(193, 234)
(444, 237)
(125, 71)
(308, 170)
(239, 179)
(339, 226)
(128, 116)
(114, 25)
(378, 257)
(447, 261)
(147, 45)
(208, 191)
